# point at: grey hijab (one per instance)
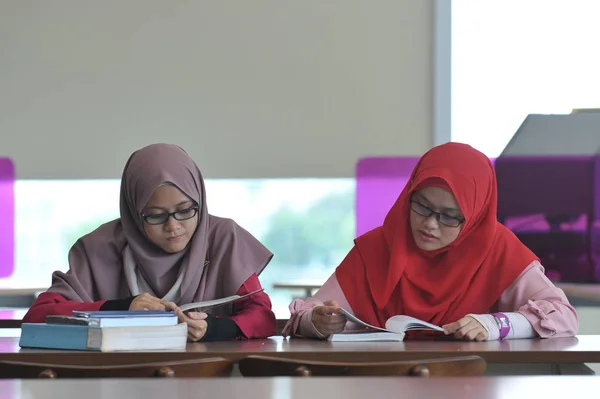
(218, 259)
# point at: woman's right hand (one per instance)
(146, 301)
(326, 318)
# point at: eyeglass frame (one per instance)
(170, 215)
(438, 215)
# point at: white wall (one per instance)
(261, 88)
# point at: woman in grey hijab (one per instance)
(165, 251)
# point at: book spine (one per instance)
(54, 336)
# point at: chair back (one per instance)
(263, 366)
(212, 367)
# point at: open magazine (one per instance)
(394, 330)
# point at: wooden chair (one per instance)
(212, 367)
(262, 366)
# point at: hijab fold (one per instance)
(441, 286)
(219, 258)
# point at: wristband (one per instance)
(503, 324)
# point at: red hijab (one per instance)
(386, 274)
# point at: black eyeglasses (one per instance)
(442, 218)
(162, 218)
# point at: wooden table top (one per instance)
(581, 349)
(331, 388)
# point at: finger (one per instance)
(197, 315)
(450, 328)
(463, 331)
(147, 297)
(482, 336)
(197, 324)
(152, 305)
(323, 325)
(471, 335)
(474, 320)
(335, 318)
(193, 335)
(140, 305)
(454, 327)
(181, 316)
(333, 328)
(169, 305)
(328, 310)
(331, 303)
(197, 332)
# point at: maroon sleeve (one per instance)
(253, 314)
(49, 303)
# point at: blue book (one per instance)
(54, 336)
(85, 338)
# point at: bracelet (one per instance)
(503, 324)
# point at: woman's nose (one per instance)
(431, 222)
(172, 224)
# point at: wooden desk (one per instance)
(11, 317)
(579, 350)
(18, 296)
(590, 293)
(322, 387)
(307, 286)
(587, 291)
(25, 291)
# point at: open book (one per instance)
(394, 330)
(203, 306)
(207, 305)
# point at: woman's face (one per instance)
(170, 218)
(435, 218)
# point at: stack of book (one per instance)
(107, 331)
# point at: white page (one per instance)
(403, 323)
(215, 302)
(355, 319)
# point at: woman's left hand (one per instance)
(466, 328)
(196, 322)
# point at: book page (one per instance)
(379, 336)
(402, 323)
(355, 319)
(206, 305)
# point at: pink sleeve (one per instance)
(544, 305)
(300, 322)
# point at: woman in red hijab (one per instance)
(442, 256)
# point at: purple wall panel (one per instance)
(7, 217)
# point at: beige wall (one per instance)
(261, 88)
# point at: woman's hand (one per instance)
(325, 319)
(146, 301)
(467, 328)
(196, 322)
